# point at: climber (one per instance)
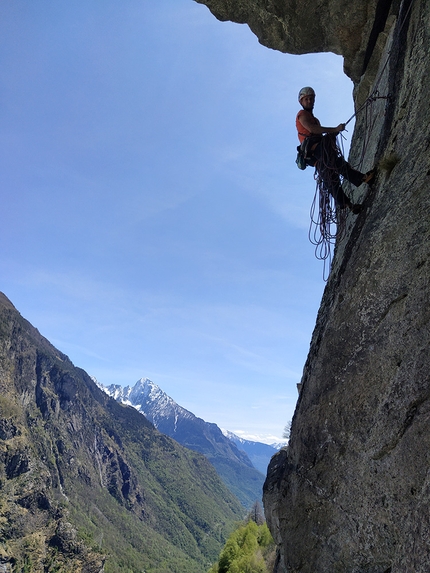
(323, 153)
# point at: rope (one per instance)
(328, 216)
(372, 98)
(375, 92)
(369, 121)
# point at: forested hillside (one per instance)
(89, 485)
(232, 464)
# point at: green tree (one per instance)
(246, 550)
(264, 536)
(230, 552)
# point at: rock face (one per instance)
(301, 27)
(351, 493)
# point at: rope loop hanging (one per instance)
(328, 220)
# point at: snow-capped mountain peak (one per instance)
(231, 436)
(234, 466)
(149, 399)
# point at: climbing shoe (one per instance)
(357, 208)
(369, 177)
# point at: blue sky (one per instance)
(154, 222)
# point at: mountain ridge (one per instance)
(232, 464)
(259, 453)
(77, 467)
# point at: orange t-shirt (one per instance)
(302, 132)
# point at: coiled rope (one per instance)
(328, 220)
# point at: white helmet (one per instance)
(307, 91)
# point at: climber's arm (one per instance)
(312, 124)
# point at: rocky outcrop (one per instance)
(351, 493)
(346, 28)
